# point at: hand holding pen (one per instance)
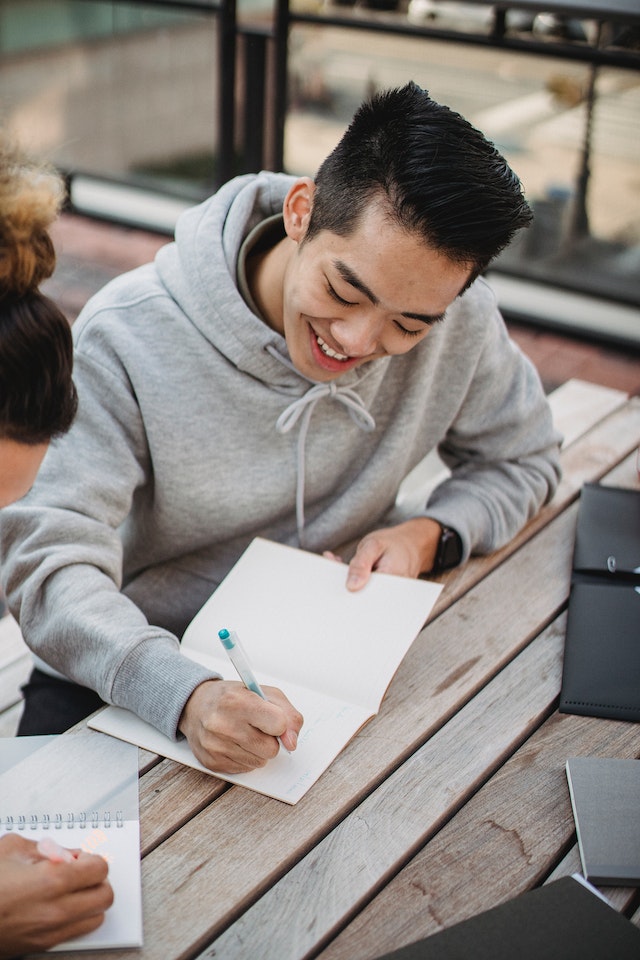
(231, 643)
(235, 728)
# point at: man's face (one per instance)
(375, 293)
(19, 464)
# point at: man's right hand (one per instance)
(232, 730)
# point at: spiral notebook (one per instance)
(81, 790)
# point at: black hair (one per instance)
(37, 396)
(437, 175)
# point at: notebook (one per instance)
(601, 668)
(605, 796)
(332, 652)
(564, 920)
(80, 790)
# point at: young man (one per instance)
(278, 371)
(46, 897)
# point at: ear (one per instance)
(297, 206)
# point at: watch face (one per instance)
(450, 549)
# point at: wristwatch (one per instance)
(449, 552)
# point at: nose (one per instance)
(356, 335)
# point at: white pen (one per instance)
(231, 643)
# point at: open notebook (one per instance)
(332, 652)
(80, 790)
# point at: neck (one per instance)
(265, 276)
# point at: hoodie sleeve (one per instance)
(502, 448)
(62, 556)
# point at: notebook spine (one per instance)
(59, 821)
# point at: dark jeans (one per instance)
(52, 705)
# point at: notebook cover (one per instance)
(601, 669)
(608, 532)
(605, 796)
(563, 919)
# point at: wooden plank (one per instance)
(499, 845)
(577, 406)
(316, 897)
(11, 679)
(9, 720)
(12, 645)
(183, 791)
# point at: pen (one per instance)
(231, 643)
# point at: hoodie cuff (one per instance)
(155, 682)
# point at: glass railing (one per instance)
(149, 106)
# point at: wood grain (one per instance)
(501, 843)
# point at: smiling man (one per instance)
(278, 371)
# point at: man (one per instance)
(278, 371)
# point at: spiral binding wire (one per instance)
(33, 821)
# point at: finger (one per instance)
(365, 559)
(293, 718)
(51, 850)
(74, 914)
(226, 756)
(328, 555)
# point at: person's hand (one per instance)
(232, 730)
(44, 901)
(406, 550)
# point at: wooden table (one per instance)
(452, 800)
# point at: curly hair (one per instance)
(37, 396)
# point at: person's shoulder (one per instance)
(121, 297)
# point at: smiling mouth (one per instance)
(328, 352)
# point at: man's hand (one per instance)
(232, 730)
(406, 550)
(43, 902)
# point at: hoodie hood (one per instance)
(199, 272)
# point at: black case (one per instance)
(561, 921)
(601, 670)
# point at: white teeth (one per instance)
(329, 352)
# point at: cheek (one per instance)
(399, 343)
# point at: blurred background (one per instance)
(148, 106)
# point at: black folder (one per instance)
(562, 920)
(601, 669)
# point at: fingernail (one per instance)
(53, 851)
(354, 580)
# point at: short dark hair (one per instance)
(37, 396)
(439, 176)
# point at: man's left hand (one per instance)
(406, 550)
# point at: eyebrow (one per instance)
(353, 280)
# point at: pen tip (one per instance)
(223, 634)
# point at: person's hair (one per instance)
(37, 396)
(437, 175)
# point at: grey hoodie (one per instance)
(195, 433)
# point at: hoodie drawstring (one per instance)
(302, 409)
